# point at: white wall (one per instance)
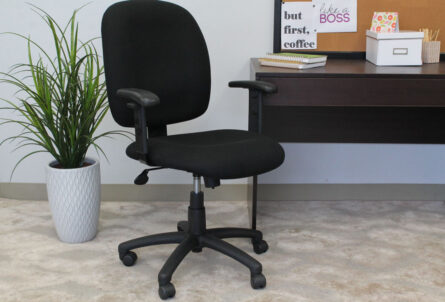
(235, 31)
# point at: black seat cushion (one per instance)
(223, 154)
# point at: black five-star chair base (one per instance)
(192, 235)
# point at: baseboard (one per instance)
(336, 192)
(234, 192)
(128, 192)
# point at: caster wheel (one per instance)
(197, 250)
(167, 291)
(129, 259)
(258, 281)
(260, 246)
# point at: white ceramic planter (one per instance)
(74, 198)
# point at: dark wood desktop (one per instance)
(349, 101)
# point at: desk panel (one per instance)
(353, 101)
(361, 92)
(355, 124)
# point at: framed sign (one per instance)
(298, 26)
(335, 16)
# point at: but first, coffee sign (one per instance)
(298, 30)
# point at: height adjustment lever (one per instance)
(142, 178)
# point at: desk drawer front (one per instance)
(366, 92)
(399, 125)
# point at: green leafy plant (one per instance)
(61, 101)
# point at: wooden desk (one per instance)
(349, 101)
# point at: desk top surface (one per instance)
(354, 68)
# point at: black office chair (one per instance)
(158, 73)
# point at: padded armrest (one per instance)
(260, 86)
(139, 100)
(141, 97)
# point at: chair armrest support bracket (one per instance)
(139, 100)
(256, 90)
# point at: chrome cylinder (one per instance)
(197, 184)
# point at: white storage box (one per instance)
(402, 48)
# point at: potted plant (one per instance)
(61, 101)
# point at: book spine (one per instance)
(287, 58)
(290, 64)
(277, 64)
(301, 59)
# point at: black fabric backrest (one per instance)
(156, 46)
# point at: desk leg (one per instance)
(252, 188)
(254, 201)
(255, 125)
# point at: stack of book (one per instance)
(293, 60)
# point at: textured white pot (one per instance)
(74, 198)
